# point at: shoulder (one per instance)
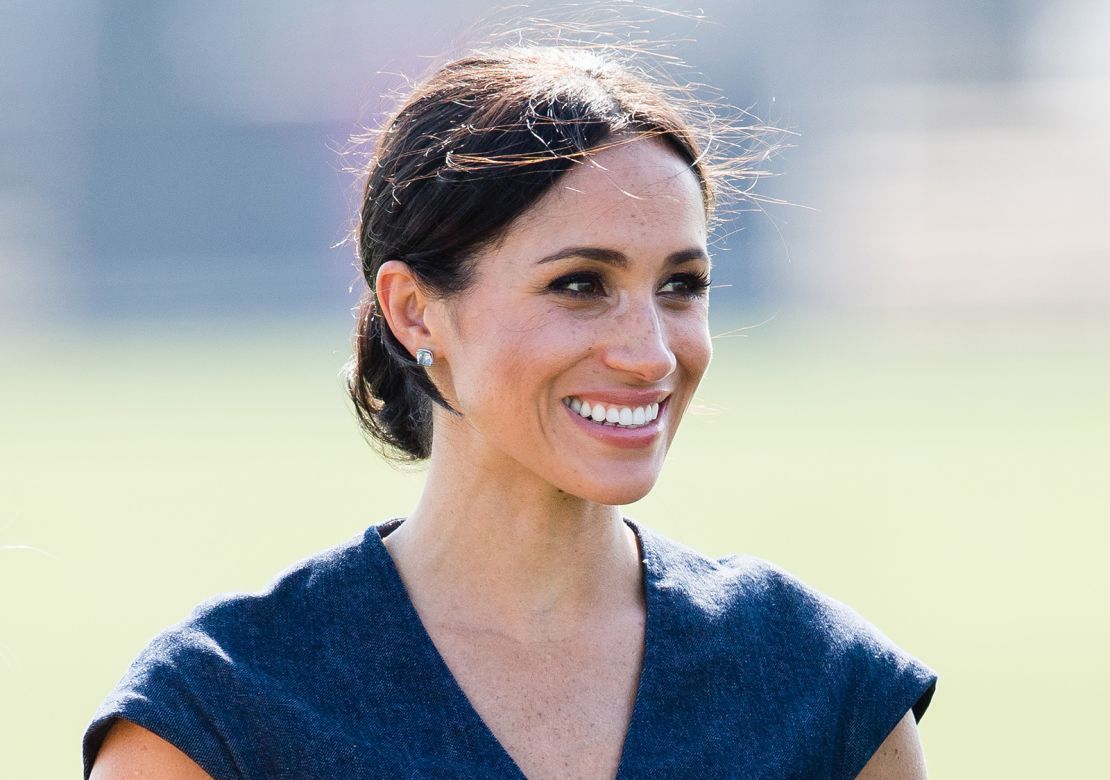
(875, 691)
(314, 577)
(789, 608)
(797, 650)
(237, 633)
(755, 592)
(765, 600)
(845, 641)
(195, 684)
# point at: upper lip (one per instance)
(629, 398)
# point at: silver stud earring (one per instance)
(424, 357)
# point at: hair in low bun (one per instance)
(392, 396)
(469, 151)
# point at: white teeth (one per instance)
(613, 415)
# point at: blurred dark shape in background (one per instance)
(182, 158)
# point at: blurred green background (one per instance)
(948, 481)
(909, 406)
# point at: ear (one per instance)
(403, 303)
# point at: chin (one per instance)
(625, 490)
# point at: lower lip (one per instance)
(630, 438)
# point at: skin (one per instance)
(900, 757)
(517, 545)
(510, 349)
(130, 752)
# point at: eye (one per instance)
(691, 285)
(579, 284)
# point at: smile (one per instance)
(613, 415)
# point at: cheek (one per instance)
(532, 357)
(515, 362)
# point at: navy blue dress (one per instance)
(329, 673)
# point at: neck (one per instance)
(496, 546)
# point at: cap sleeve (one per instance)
(174, 689)
(887, 682)
(866, 682)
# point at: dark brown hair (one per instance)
(469, 151)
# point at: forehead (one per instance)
(631, 196)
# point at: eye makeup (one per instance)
(692, 284)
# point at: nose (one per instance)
(635, 342)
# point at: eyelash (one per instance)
(696, 284)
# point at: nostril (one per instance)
(650, 359)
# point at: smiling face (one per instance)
(588, 318)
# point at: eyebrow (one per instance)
(619, 259)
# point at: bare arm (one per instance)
(130, 751)
(900, 757)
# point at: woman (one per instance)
(533, 235)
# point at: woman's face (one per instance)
(596, 296)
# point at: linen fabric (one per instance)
(329, 673)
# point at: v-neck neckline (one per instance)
(460, 703)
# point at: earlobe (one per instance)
(402, 303)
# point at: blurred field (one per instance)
(946, 478)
